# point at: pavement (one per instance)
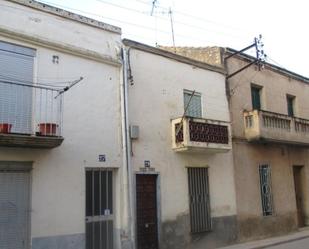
(298, 244)
(275, 242)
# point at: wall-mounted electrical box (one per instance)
(134, 131)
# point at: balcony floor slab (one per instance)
(29, 141)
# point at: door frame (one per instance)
(158, 190)
(26, 167)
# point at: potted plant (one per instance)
(5, 128)
(48, 129)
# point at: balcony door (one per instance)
(256, 97)
(16, 68)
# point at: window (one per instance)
(256, 97)
(199, 203)
(194, 108)
(265, 187)
(16, 66)
(290, 100)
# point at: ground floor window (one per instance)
(99, 209)
(266, 191)
(199, 200)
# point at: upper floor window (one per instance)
(192, 104)
(16, 67)
(256, 97)
(290, 100)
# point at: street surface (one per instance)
(299, 244)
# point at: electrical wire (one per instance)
(137, 25)
(187, 37)
(175, 21)
(275, 62)
(143, 26)
(190, 16)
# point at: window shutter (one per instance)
(16, 65)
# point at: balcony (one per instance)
(200, 135)
(30, 116)
(264, 126)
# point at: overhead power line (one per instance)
(188, 37)
(195, 38)
(166, 12)
(165, 9)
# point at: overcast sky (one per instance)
(228, 23)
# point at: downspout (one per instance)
(127, 148)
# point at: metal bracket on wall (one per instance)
(260, 55)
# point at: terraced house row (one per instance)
(109, 143)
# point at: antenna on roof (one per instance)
(170, 13)
(172, 26)
(153, 6)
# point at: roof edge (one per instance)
(67, 14)
(272, 66)
(173, 56)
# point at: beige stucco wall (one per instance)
(281, 158)
(91, 121)
(273, 96)
(155, 98)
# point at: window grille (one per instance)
(99, 209)
(195, 107)
(266, 191)
(199, 200)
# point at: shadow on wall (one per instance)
(176, 234)
(252, 228)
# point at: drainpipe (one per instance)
(127, 148)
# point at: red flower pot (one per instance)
(5, 128)
(48, 129)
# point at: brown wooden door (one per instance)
(146, 212)
(297, 172)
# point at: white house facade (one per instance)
(183, 180)
(61, 149)
(108, 144)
